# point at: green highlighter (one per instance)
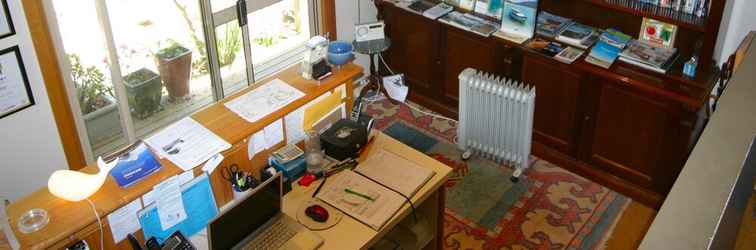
(349, 191)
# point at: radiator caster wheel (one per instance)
(516, 175)
(466, 155)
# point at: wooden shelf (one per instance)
(667, 15)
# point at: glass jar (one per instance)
(313, 153)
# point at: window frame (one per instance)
(128, 129)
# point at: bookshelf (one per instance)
(627, 16)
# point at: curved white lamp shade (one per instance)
(76, 186)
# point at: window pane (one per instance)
(85, 48)
(231, 57)
(277, 33)
(161, 51)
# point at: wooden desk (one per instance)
(352, 234)
(73, 221)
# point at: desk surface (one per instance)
(691, 212)
(352, 234)
(67, 218)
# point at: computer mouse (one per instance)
(317, 213)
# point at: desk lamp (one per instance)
(71, 186)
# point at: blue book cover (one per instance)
(134, 166)
(608, 48)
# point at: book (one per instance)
(550, 25)
(578, 35)
(658, 33)
(470, 23)
(438, 11)
(569, 55)
(650, 57)
(608, 48)
(518, 20)
(134, 166)
(375, 191)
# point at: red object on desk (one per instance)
(307, 179)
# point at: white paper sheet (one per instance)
(13, 93)
(187, 143)
(259, 142)
(394, 88)
(149, 197)
(213, 163)
(170, 205)
(124, 220)
(185, 177)
(295, 126)
(274, 133)
(264, 100)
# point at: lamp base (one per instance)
(33, 220)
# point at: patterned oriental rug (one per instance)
(549, 208)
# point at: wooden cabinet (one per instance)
(556, 110)
(414, 50)
(634, 135)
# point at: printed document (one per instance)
(295, 126)
(187, 143)
(170, 205)
(396, 172)
(124, 220)
(264, 100)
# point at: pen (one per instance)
(349, 191)
(319, 186)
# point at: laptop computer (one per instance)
(256, 221)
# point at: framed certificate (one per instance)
(6, 23)
(15, 92)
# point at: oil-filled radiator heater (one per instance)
(495, 119)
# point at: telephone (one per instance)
(177, 241)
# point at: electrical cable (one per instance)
(385, 64)
(99, 222)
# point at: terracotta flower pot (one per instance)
(175, 73)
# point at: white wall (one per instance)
(346, 17)
(30, 147)
(738, 19)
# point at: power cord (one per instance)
(99, 222)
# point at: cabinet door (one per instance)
(414, 49)
(463, 50)
(555, 123)
(635, 136)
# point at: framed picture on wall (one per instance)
(15, 91)
(6, 23)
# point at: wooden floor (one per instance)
(747, 235)
(631, 227)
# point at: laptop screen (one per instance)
(246, 216)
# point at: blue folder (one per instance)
(200, 207)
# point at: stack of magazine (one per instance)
(470, 23)
(649, 57)
(579, 35)
(556, 50)
(550, 25)
(608, 48)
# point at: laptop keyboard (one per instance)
(274, 237)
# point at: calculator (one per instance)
(288, 153)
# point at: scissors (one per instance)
(231, 174)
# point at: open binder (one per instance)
(375, 191)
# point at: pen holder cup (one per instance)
(239, 194)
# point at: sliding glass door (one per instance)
(135, 66)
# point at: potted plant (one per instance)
(175, 63)
(143, 87)
(96, 101)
